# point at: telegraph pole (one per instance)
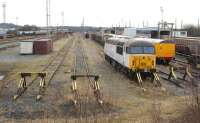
(143, 24)
(48, 16)
(17, 20)
(198, 25)
(181, 24)
(83, 25)
(162, 15)
(175, 23)
(147, 23)
(49, 6)
(4, 12)
(63, 19)
(129, 23)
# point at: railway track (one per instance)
(183, 63)
(164, 71)
(82, 74)
(181, 72)
(14, 42)
(46, 74)
(11, 40)
(188, 38)
(9, 45)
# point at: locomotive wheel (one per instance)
(130, 75)
(113, 63)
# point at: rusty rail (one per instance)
(94, 84)
(56, 62)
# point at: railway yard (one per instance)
(75, 83)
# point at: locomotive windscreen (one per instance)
(148, 50)
(140, 50)
(135, 50)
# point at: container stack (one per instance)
(36, 46)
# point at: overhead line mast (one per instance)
(48, 16)
(4, 12)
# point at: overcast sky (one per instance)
(101, 12)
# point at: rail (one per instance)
(94, 84)
(50, 69)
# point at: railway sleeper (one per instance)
(95, 86)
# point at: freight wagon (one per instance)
(190, 47)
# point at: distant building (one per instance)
(3, 33)
(130, 32)
(5, 28)
(179, 34)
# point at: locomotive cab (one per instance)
(141, 56)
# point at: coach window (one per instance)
(119, 50)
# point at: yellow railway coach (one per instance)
(165, 50)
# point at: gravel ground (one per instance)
(133, 102)
(125, 100)
(27, 107)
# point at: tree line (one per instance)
(192, 30)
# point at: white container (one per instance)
(26, 47)
(130, 32)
